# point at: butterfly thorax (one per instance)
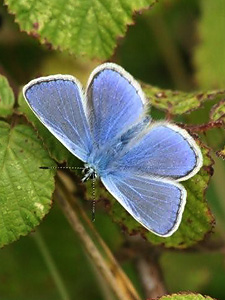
(98, 162)
(102, 158)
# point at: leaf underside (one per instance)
(82, 27)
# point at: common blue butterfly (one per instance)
(140, 162)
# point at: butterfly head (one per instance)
(89, 173)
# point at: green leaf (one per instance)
(197, 219)
(210, 54)
(177, 102)
(55, 148)
(25, 190)
(218, 111)
(221, 153)
(185, 296)
(6, 97)
(82, 27)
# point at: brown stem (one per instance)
(95, 247)
(151, 278)
(203, 127)
(146, 258)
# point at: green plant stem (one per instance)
(51, 265)
(170, 52)
(97, 250)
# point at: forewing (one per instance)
(163, 150)
(58, 102)
(115, 102)
(156, 204)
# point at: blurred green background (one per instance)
(178, 44)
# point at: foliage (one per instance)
(159, 51)
(25, 191)
(82, 27)
(177, 102)
(218, 111)
(6, 97)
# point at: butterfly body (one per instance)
(140, 162)
(102, 158)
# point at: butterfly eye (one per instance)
(86, 170)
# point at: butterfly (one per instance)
(140, 162)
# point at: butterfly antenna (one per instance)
(60, 168)
(93, 200)
(93, 184)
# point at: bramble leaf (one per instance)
(218, 111)
(185, 296)
(6, 97)
(177, 102)
(197, 219)
(82, 27)
(25, 190)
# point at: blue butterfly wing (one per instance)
(58, 103)
(156, 204)
(163, 150)
(115, 102)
